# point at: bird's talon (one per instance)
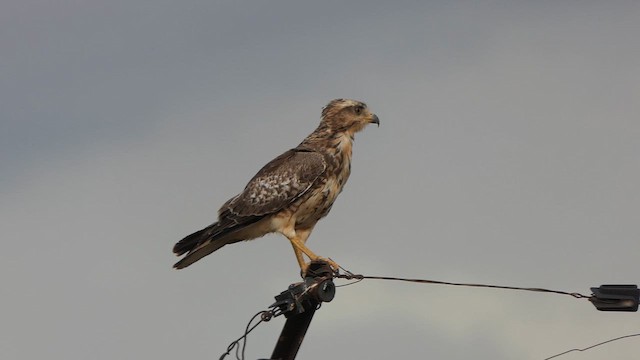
(335, 268)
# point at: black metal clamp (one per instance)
(615, 297)
(298, 304)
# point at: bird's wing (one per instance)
(276, 185)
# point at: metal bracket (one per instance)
(615, 297)
(298, 304)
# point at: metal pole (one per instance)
(292, 336)
(317, 287)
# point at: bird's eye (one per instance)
(358, 110)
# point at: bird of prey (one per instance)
(291, 193)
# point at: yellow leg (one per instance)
(299, 257)
(298, 239)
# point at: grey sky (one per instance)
(508, 153)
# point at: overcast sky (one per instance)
(508, 153)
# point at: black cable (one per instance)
(265, 315)
(349, 283)
(350, 276)
(592, 346)
(358, 278)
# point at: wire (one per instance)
(592, 346)
(265, 315)
(350, 283)
(351, 276)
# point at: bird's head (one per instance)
(348, 116)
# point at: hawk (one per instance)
(291, 193)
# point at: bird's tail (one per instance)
(199, 244)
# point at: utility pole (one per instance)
(298, 304)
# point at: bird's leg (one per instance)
(299, 248)
(299, 257)
(313, 257)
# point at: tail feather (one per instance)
(202, 250)
(199, 244)
(203, 242)
(190, 242)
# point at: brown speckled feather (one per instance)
(277, 184)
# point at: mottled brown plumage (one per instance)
(291, 193)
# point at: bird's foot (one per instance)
(319, 261)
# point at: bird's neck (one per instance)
(336, 146)
(325, 139)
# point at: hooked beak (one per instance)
(374, 120)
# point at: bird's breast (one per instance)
(321, 198)
(318, 204)
(318, 201)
